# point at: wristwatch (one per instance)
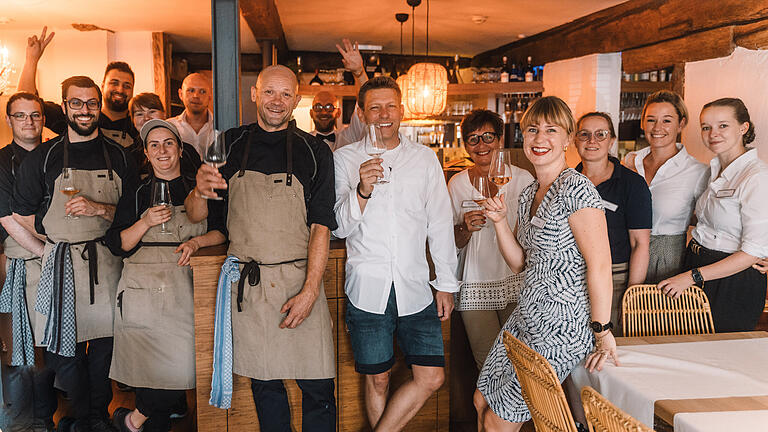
(599, 328)
(698, 279)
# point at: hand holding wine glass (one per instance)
(161, 197)
(500, 171)
(375, 147)
(215, 155)
(68, 188)
(496, 209)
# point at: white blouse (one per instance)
(487, 283)
(674, 189)
(733, 210)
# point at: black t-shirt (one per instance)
(10, 159)
(312, 166)
(35, 179)
(627, 202)
(189, 164)
(56, 120)
(134, 202)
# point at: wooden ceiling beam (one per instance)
(263, 20)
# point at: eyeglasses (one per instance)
(22, 116)
(327, 107)
(600, 135)
(487, 138)
(76, 104)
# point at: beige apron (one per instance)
(32, 265)
(154, 316)
(267, 223)
(121, 137)
(94, 287)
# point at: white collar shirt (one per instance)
(733, 211)
(386, 242)
(674, 190)
(198, 140)
(348, 134)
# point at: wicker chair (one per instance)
(603, 416)
(541, 388)
(646, 311)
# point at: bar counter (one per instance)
(350, 409)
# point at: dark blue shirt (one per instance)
(627, 202)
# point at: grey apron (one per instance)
(154, 316)
(95, 279)
(268, 232)
(32, 265)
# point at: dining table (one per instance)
(687, 383)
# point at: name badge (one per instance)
(725, 193)
(538, 222)
(610, 206)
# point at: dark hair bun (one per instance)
(750, 135)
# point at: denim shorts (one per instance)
(419, 336)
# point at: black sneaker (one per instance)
(101, 425)
(179, 409)
(66, 424)
(124, 387)
(118, 419)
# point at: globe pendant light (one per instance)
(426, 88)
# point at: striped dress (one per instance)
(553, 314)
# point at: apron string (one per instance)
(288, 153)
(252, 271)
(91, 255)
(160, 244)
(107, 160)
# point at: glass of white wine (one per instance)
(500, 171)
(375, 147)
(68, 188)
(161, 196)
(215, 155)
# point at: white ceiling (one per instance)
(315, 25)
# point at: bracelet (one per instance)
(360, 194)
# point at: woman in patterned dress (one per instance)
(561, 241)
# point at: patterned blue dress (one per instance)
(553, 313)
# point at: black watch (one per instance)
(698, 279)
(599, 328)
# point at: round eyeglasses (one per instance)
(487, 138)
(600, 135)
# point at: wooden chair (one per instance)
(541, 388)
(603, 416)
(646, 311)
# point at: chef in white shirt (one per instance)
(386, 227)
(195, 123)
(731, 234)
(675, 178)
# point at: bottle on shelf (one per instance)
(504, 70)
(514, 73)
(528, 71)
(298, 69)
(316, 79)
(378, 71)
(456, 72)
(451, 73)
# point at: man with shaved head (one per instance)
(195, 124)
(277, 212)
(325, 109)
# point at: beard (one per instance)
(116, 105)
(84, 131)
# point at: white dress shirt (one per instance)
(674, 189)
(733, 210)
(348, 134)
(386, 242)
(198, 140)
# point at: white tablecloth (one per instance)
(741, 421)
(680, 371)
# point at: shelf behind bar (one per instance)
(453, 89)
(645, 86)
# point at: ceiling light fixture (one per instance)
(6, 67)
(426, 88)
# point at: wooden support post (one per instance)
(161, 58)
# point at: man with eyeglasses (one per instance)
(24, 115)
(117, 89)
(67, 191)
(325, 110)
(195, 124)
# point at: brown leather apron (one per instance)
(154, 316)
(32, 265)
(95, 279)
(268, 233)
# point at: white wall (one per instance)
(743, 74)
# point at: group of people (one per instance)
(98, 275)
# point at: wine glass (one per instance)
(68, 188)
(161, 196)
(500, 171)
(375, 147)
(215, 155)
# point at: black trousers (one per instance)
(318, 405)
(738, 300)
(85, 378)
(157, 405)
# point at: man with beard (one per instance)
(79, 276)
(117, 88)
(325, 110)
(277, 213)
(195, 124)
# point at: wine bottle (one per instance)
(514, 73)
(451, 73)
(504, 70)
(378, 71)
(316, 79)
(528, 71)
(456, 72)
(298, 69)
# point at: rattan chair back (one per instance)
(542, 391)
(603, 416)
(646, 311)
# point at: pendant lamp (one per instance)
(402, 82)
(426, 88)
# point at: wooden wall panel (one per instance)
(752, 36)
(161, 56)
